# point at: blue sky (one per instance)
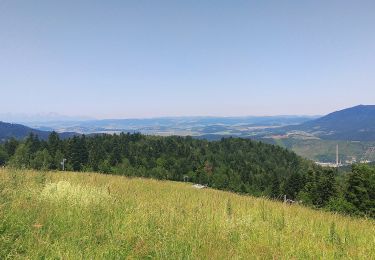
(113, 59)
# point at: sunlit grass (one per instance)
(93, 216)
(64, 192)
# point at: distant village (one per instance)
(347, 162)
(339, 163)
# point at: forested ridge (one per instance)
(235, 164)
(18, 131)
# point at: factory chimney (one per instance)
(337, 155)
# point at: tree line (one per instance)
(234, 164)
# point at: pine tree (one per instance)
(326, 187)
(275, 188)
(3, 155)
(21, 158)
(33, 143)
(42, 160)
(357, 193)
(77, 151)
(293, 185)
(11, 146)
(54, 143)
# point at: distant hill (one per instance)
(8, 130)
(354, 124)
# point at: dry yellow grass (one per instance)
(93, 216)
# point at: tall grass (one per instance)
(93, 216)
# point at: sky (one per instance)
(128, 59)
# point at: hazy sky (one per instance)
(194, 57)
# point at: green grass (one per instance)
(93, 216)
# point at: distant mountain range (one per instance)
(194, 126)
(351, 124)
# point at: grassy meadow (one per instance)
(92, 216)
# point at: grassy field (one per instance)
(93, 216)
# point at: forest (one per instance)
(233, 164)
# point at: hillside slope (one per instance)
(355, 123)
(8, 130)
(325, 150)
(93, 216)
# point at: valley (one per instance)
(313, 137)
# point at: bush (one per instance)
(341, 205)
